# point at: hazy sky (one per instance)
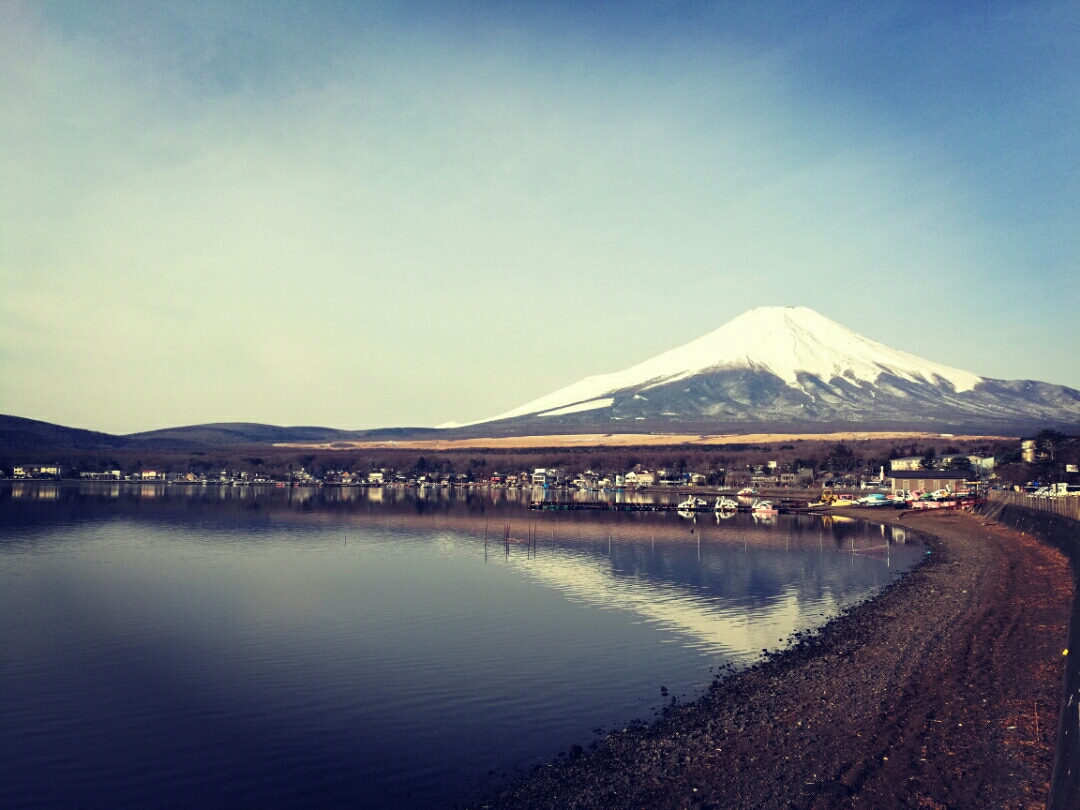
(362, 214)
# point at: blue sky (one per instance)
(360, 215)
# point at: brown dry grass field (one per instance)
(632, 440)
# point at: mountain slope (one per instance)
(30, 436)
(790, 364)
(17, 433)
(232, 433)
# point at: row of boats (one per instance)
(723, 504)
(940, 499)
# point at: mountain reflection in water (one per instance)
(174, 646)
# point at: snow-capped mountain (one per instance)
(790, 364)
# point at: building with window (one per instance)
(36, 471)
(930, 481)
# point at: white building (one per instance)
(640, 479)
(913, 463)
(906, 464)
(36, 471)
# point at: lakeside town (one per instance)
(1043, 464)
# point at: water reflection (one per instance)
(278, 646)
(727, 583)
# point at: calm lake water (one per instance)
(222, 647)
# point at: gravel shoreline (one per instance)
(941, 692)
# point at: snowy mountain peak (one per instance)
(792, 340)
(784, 341)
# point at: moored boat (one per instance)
(876, 499)
(691, 504)
(725, 504)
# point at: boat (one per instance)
(876, 499)
(746, 492)
(763, 508)
(691, 504)
(725, 504)
(935, 503)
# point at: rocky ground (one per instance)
(942, 692)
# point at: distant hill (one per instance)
(18, 434)
(233, 433)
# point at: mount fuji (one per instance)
(790, 368)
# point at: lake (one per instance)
(174, 646)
